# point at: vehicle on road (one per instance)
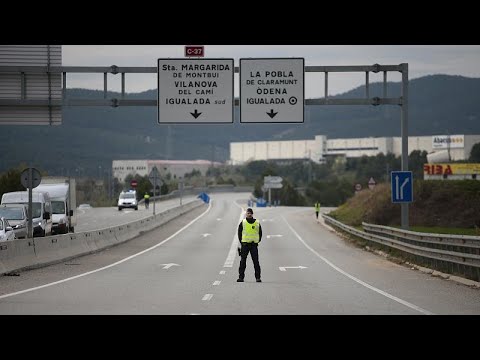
(41, 209)
(84, 206)
(127, 199)
(62, 191)
(6, 230)
(17, 216)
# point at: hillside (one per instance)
(91, 137)
(454, 204)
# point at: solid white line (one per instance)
(233, 248)
(111, 265)
(216, 282)
(222, 272)
(381, 292)
(207, 297)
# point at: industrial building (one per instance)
(458, 147)
(317, 150)
(176, 168)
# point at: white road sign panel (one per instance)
(272, 179)
(193, 91)
(272, 90)
(273, 185)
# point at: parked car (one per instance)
(6, 231)
(84, 206)
(17, 216)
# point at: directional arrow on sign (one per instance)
(196, 114)
(169, 265)
(272, 114)
(284, 268)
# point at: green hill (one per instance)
(443, 204)
(91, 137)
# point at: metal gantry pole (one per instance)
(154, 187)
(30, 210)
(404, 126)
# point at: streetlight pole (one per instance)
(404, 131)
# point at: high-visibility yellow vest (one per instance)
(317, 206)
(250, 232)
(146, 196)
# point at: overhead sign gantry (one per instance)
(193, 91)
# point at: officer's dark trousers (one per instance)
(251, 248)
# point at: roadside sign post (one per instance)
(30, 178)
(402, 186)
(153, 177)
(272, 182)
(180, 187)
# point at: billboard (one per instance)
(446, 141)
(451, 169)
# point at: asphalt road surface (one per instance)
(190, 266)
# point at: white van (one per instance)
(41, 209)
(127, 199)
(62, 197)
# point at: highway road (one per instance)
(190, 265)
(105, 217)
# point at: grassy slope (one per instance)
(438, 207)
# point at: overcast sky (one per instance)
(422, 59)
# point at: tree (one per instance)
(10, 180)
(475, 153)
(415, 163)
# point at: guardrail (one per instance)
(190, 190)
(22, 254)
(453, 254)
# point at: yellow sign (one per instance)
(451, 169)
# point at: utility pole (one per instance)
(404, 132)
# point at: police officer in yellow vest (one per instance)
(249, 235)
(317, 208)
(146, 197)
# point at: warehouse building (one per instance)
(317, 150)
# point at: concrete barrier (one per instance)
(16, 254)
(22, 254)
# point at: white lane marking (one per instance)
(207, 297)
(169, 265)
(233, 248)
(219, 219)
(206, 234)
(272, 236)
(381, 292)
(111, 265)
(216, 282)
(284, 268)
(222, 272)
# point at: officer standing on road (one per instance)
(146, 197)
(249, 235)
(317, 209)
